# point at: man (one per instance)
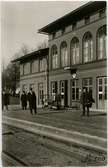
(84, 99)
(24, 100)
(32, 101)
(5, 99)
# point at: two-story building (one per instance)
(77, 55)
(34, 74)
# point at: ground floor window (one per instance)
(53, 89)
(87, 82)
(75, 90)
(102, 92)
(40, 94)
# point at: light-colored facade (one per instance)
(77, 55)
(33, 74)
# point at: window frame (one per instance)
(76, 47)
(64, 54)
(54, 55)
(87, 50)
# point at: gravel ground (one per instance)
(31, 149)
(34, 150)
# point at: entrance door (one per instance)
(102, 92)
(64, 93)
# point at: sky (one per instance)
(21, 20)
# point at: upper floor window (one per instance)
(21, 69)
(54, 54)
(63, 30)
(87, 20)
(74, 25)
(87, 47)
(42, 64)
(64, 54)
(34, 66)
(101, 43)
(53, 35)
(102, 13)
(26, 68)
(75, 51)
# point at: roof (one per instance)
(35, 54)
(73, 16)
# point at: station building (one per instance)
(77, 55)
(34, 74)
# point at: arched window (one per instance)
(101, 42)
(64, 54)
(87, 47)
(54, 54)
(75, 51)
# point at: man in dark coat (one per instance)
(32, 101)
(84, 99)
(5, 99)
(24, 100)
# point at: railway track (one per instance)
(11, 159)
(73, 124)
(81, 155)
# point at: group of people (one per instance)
(86, 100)
(31, 98)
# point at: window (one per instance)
(54, 57)
(74, 26)
(34, 66)
(41, 94)
(75, 51)
(102, 13)
(63, 30)
(101, 43)
(21, 69)
(87, 47)
(26, 68)
(64, 54)
(53, 89)
(75, 90)
(42, 64)
(62, 86)
(53, 35)
(87, 20)
(87, 82)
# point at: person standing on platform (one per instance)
(5, 99)
(32, 101)
(84, 99)
(24, 100)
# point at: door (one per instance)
(102, 92)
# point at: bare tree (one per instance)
(43, 45)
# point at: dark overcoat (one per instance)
(24, 99)
(32, 100)
(6, 98)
